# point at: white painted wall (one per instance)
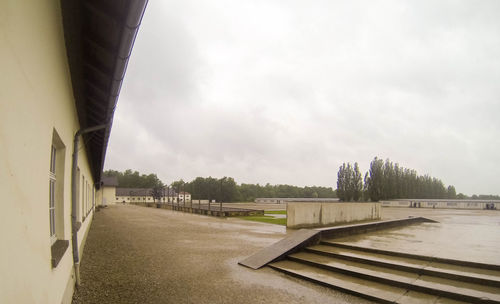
(108, 195)
(36, 98)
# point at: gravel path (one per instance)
(148, 255)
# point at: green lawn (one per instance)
(275, 212)
(265, 219)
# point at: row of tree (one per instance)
(349, 183)
(227, 190)
(387, 180)
(133, 179)
(384, 180)
(221, 189)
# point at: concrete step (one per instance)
(473, 293)
(360, 287)
(411, 264)
(414, 256)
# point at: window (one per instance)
(83, 198)
(78, 197)
(56, 204)
(88, 198)
(52, 194)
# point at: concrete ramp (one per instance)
(297, 240)
(307, 237)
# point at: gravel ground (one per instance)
(148, 255)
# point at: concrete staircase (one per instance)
(393, 277)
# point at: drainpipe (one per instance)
(74, 230)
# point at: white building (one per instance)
(144, 195)
(107, 194)
(62, 65)
(283, 200)
(184, 197)
(443, 203)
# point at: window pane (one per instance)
(53, 160)
(52, 193)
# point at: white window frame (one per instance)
(52, 194)
(82, 207)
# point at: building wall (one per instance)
(106, 195)
(185, 197)
(284, 200)
(36, 102)
(150, 199)
(142, 199)
(122, 199)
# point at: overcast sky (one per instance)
(286, 91)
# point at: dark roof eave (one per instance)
(75, 22)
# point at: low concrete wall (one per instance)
(307, 214)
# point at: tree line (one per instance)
(227, 190)
(133, 179)
(223, 189)
(387, 180)
(383, 181)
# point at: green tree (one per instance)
(157, 192)
(342, 181)
(357, 184)
(461, 196)
(349, 182)
(375, 180)
(133, 179)
(228, 190)
(451, 192)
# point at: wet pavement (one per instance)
(470, 235)
(148, 255)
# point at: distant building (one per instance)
(443, 203)
(112, 193)
(106, 195)
(144, 195)
(184, 196)
(282, 200)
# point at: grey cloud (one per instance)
(267, 92)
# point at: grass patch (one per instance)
(275, 212)
(265, 219)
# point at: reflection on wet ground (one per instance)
(471, 235)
